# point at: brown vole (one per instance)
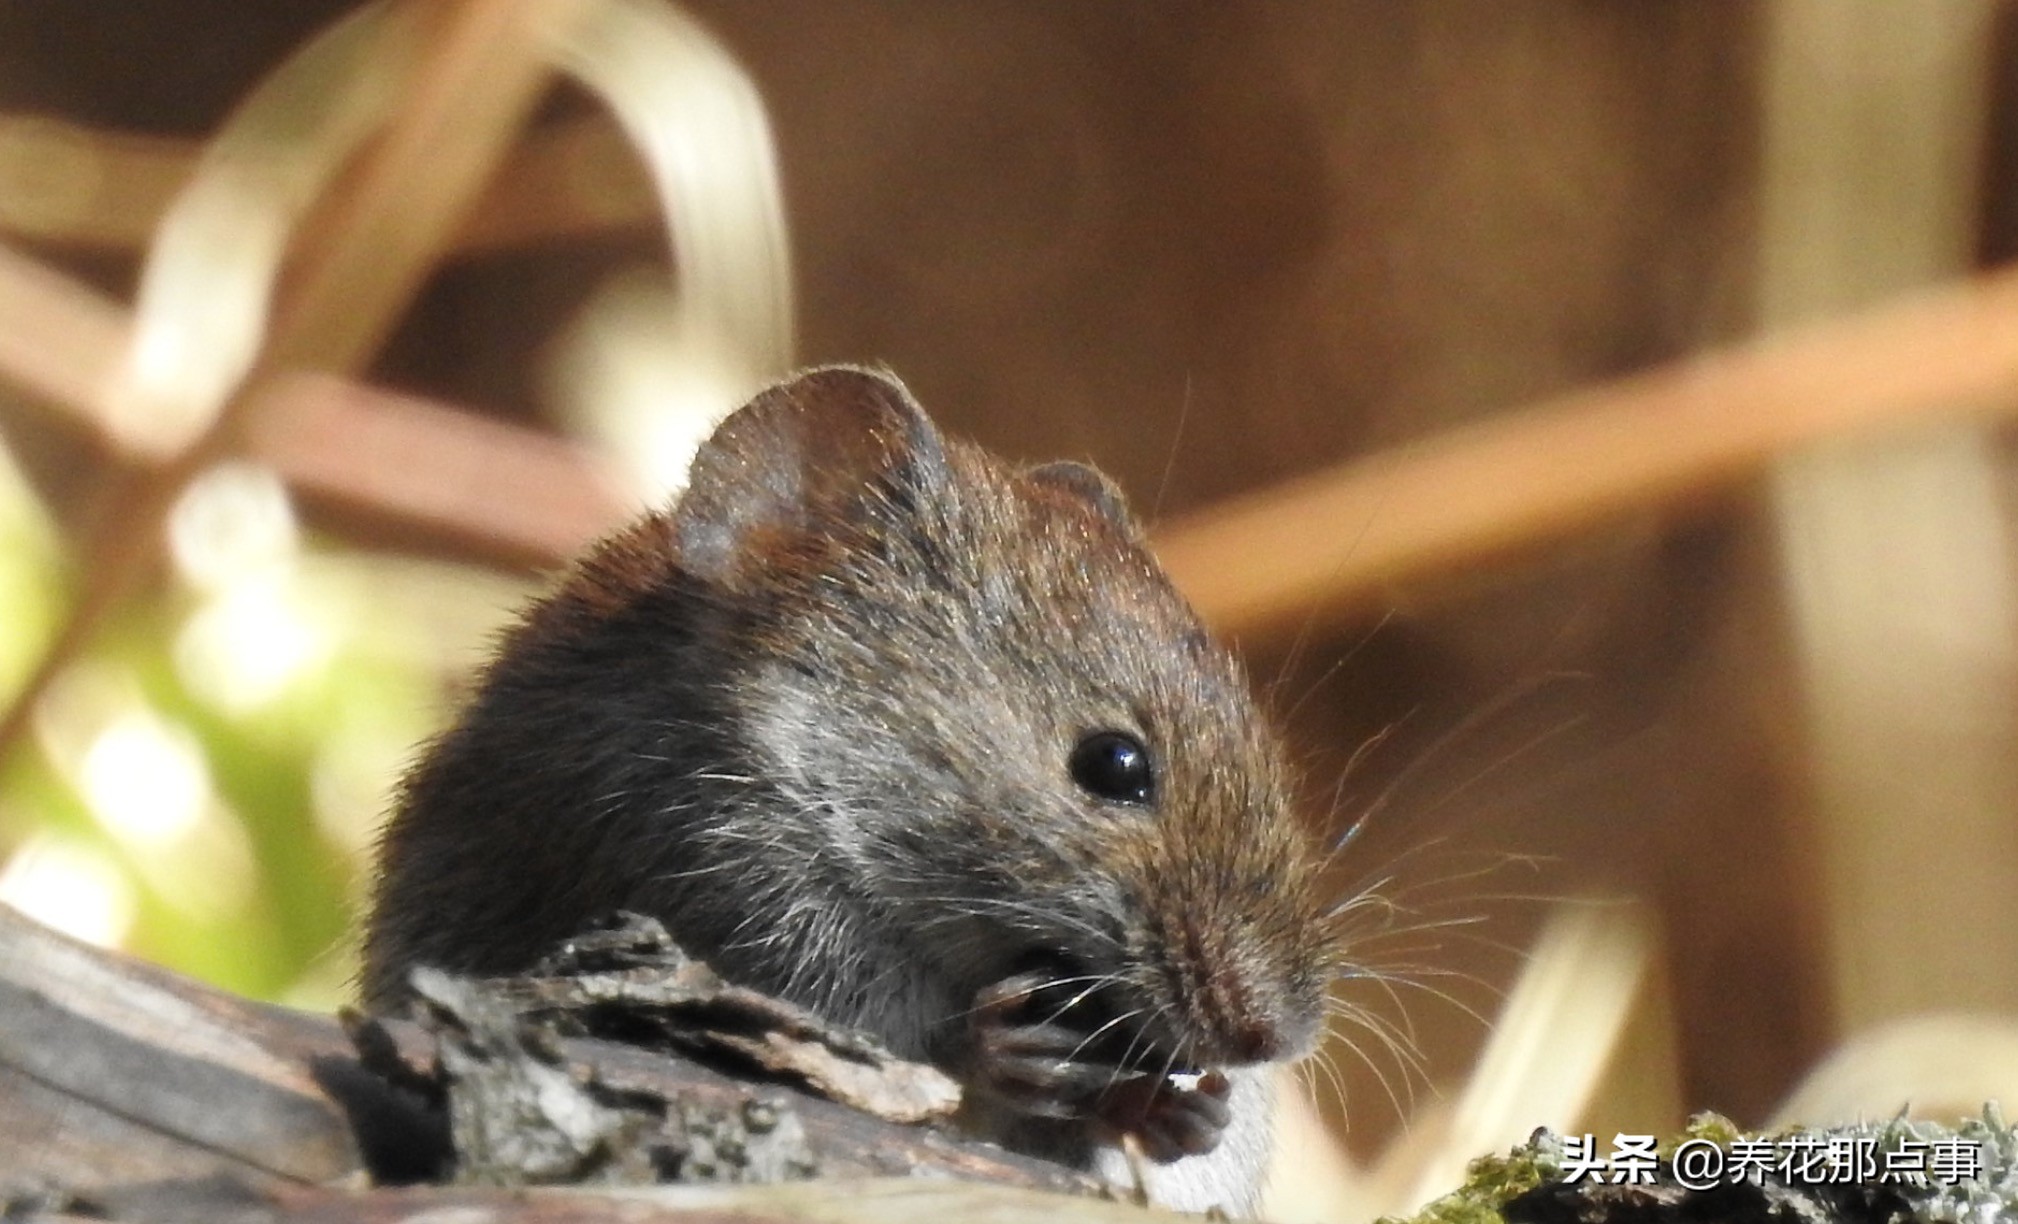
(881, 725)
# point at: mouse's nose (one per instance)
(1260, 1021)
(1254, 1041)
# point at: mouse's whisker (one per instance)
(1036, 918)
(1418, 924)
(1500, 762)
(1406, 1061)
(1375, 895)
(1425, 933)
(1096, 980)
(1345, 775)
(1164, 1016)
(1093, 987)
(1086, 1042)
(1138, 1041)
(1386, 984)
(1324, 1063)
(688, 873)
(1398, 1039)
(1170, 1060)
(1391, 863)
(709, 775)
(1316, 686)
(1417, 979)
(1437, 749)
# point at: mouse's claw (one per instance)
(1038, 1068)
(1169, 1120)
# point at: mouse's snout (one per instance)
(1254, 1016)
(1258, 1041)
(1240, 997)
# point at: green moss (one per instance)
(1490, 1181)
(1714, 1127)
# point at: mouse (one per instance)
(917, 738)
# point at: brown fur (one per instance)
(817, 719)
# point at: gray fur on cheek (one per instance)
(795, 737)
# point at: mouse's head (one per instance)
(1001, 732)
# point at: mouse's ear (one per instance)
(811, 442)
(1089, 485)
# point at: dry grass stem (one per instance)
(1336, 540)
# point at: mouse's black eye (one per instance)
(1113, 765)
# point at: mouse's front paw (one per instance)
(1036, 1066)
(1172, 1116)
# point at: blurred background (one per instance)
(1676, 690)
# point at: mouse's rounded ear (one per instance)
(1088, 485)
(813, 442)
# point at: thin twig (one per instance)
(72, 186)
(392, 462)
(59, 341)
(1336, 539)
(414, 468)
(482, 71)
